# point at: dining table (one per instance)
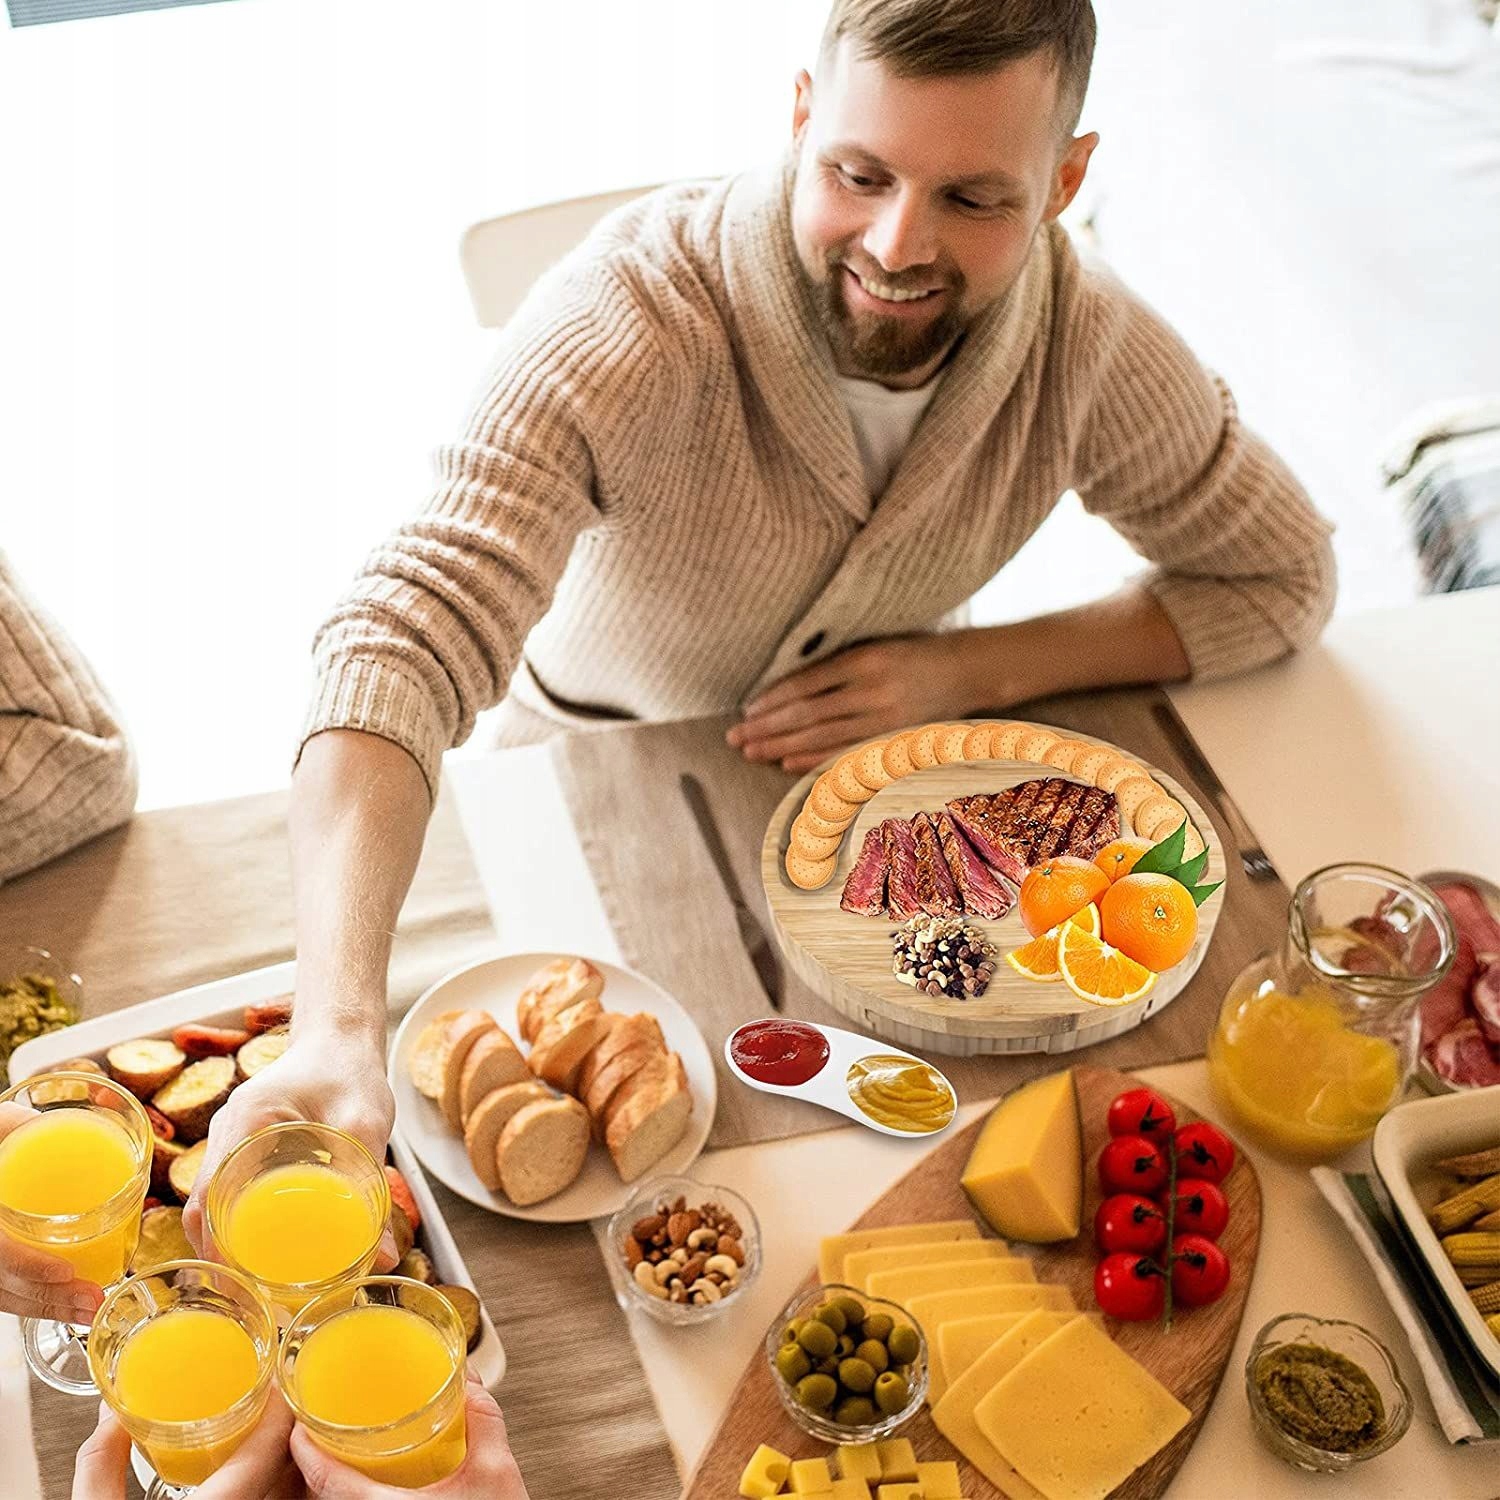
(1376, 745)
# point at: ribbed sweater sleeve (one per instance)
(432, 630)
(1244, 567)
(66, 769)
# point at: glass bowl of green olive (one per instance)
(849, 1368)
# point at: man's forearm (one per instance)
(1122, 641)
(359, 812)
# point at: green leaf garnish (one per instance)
(1165, 857)
(1201, 893)
(1192, 872)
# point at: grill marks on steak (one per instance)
(864, 890)
(935, 887)
(980, 891)
(902, 900)
(1017, 828)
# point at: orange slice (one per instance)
(1098, 973)
(1038, 958)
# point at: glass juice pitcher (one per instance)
(1315, 1042)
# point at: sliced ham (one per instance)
(1484, 996)
(1463, 1057)
(1447, 1002)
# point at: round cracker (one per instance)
(1006, 739)
(1087, 765)
(896, 757)
(1034, 746)
(1194, 845)
(1155, 810)
(950, 744)
(922, 746)
(808, 874)
(869, 767)
(811, 845)
(827, 803)
(977, 741)
(822, 828)
(1064, 753)
(846, 783)
(1109, 776)
(1133, 794)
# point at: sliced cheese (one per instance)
(835, 1247)
(958, 1275)
(1077, 1415)
(859, 1264)
(933, 1309)
(958, 1343)
(1025, 1173)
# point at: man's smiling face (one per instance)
(917, 199)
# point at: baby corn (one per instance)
(1487, 1298)
(1475, 1164)
(1473, 1250)
(1461, 1208)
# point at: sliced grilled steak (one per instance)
(864, 890)
(935, 888)
(901, 899)
(1012, 830)
(978, 887)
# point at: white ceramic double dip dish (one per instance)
(878, 1085)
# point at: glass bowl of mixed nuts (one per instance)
(682, 1251)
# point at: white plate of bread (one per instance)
(543, 1085)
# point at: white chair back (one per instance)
(501, 257)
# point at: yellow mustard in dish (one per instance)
(902, 1093)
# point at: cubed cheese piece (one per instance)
(859, 1264)
(968, 1275)
(835, 1247)
(898, 1460)
(857, 1461)
(933, 1309)
(1077, 1416)
(939, 1480)
(850, 1489)
(764, 1473)
(899, 1492)
(1025, 1174)
(810, 1476)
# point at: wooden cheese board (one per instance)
(846, 959)
(1189, 1359)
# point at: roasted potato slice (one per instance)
(162, 1239)
(184, 1169)
(466, 1305)
(164, 1155)
(145, 1065)
(260, 1052)
(417, 1264)
(401, 1230)
(191, 1098)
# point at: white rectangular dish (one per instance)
(221, 1004)
(1407, 1141)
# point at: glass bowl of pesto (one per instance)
(1325, 1394)
(38, 993)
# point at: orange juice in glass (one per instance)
(75, 1165)
(299, 1208)
(184, 1354)
(375, 1371)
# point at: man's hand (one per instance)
(259, 1469)
(488, 1470)
(859, 693)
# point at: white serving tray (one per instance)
(221, 1004)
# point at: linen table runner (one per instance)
(187, 895)
(674, 921)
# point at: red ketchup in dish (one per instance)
(780, 1052)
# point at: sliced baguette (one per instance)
(564, 1042)
(542, 1149)
(489, 1117)
(628, 1031)
(613, 1076)
(426, 1065)
(648, 1117)
(493, 1061)
(463, 1031)
(553, 988)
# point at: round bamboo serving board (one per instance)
(846, 959)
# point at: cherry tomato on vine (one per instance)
(1203, 1150)
(1142, 1112)
(1126, 1221)
(1202, 1207)
(1200, 1270)
(1132, 1164)
(1130, 1287)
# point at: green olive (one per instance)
(873, 1352)
(817, 1392)
(891, 1392)
(878, 1326)
(792, 1363)
(829, 1366)
(790, 1332)
(830, 1314)
(853, 1311)
(846, 1346)
(817, 1338)
(903, 1344)
(854, 1411)
(857, 1375)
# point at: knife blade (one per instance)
(752, 934)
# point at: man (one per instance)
(751, 444)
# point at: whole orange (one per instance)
(1150, 918)
(1118, 858)
(1056, 889)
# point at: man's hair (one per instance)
(941, 38)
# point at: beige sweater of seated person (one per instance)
(659, 496)
(66, 769)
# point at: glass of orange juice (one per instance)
(298, 1208)
(184, 1354)
(375, 1371)
(75, 1165)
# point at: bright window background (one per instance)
(234, 326)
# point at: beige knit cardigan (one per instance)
(66, 768)
(660, 497)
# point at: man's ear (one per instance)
(802, 107)
(1070, 174)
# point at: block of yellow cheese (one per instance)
(850, 1489)
(956, 1275)
(933, 1309)
(764, 1473)
(1077, 1416)
(958, 1343)
(834, 1247)
(938, 1480)
(810, 1476)
(1025, 1173)
(857, 1461)
(899, 1492)
(898, 1460)
(860, 1264)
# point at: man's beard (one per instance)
(871, 347)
